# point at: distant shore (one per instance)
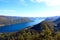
(2, 25)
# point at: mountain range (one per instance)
(9, 20)
(48, 29)
(48, 20)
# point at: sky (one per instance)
(30, 8)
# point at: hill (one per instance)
(46, 32)
(49, 20)
(8, 20)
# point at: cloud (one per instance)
(23, 2)
(42, 14)
(48, 2)
(35, 14)
(7, 12)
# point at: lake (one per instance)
(16, 27)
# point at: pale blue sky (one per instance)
(29, 8)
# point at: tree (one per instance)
(47, 30)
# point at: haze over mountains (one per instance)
(48, 29)
(6, 20)
(13, 24)
(48, 20)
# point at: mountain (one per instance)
(49, 20)
(7, 20)
(56, 20)
(45, 30)
(52, 18)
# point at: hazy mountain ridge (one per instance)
(13, 19)
(6, 20)
(55, 20)
(42, 31)
(52, 18)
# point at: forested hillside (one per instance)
(47, 32)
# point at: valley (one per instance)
(38, 29)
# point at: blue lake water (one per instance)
(16, 27)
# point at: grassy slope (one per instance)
(47, 33)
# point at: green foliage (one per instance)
(47, 33)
